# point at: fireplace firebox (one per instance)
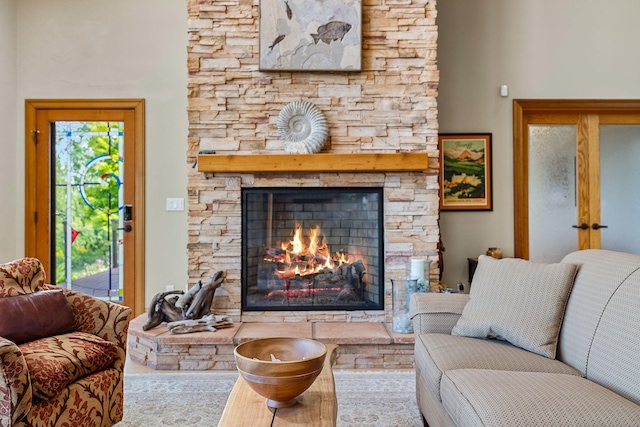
(312, 249)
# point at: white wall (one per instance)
(540, 49)
(9, 240)
(117, 49)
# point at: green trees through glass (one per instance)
(88, 191)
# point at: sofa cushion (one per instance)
(492, 398)
(37, 315)
(22, 276)
(517, 301)
(614, 360)
(438, 353)
(55, 362)
(600, 334)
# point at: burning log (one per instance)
(345, 283)
(305, 271)
(356, 278)
(347, 294)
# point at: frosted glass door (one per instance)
(619, 193)
(552, 192)
(576, 177)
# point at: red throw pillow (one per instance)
(41, 314)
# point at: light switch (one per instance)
(175, 204)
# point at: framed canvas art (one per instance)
(465, 172)
(310, 35)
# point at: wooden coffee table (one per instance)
(316, 407)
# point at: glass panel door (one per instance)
(575, 175)
(88, 195)
(552, 192)
(619, 178)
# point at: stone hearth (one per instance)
(362, 345)
(389, 107)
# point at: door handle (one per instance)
(597, 226)
(583, 226)
(126, 228)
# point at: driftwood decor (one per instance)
(210, 323)
(181, 306)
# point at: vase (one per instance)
(419, 269)
(402, 289)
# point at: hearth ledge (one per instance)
(365, 345)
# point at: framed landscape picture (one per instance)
(310, 35)
(465, 172)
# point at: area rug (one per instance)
(380, 398)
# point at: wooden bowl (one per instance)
(299, 362)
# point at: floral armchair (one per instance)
(62, 353)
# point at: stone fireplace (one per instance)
(312, 249)
(388, 108)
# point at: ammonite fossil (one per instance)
(303, 127)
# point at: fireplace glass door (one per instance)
(312, 249)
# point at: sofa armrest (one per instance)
(15, 384)
(435, 312)
(102, 318)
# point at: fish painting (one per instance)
(276, 41)
(331, 31)
(289, 12)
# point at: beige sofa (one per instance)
(533, 345)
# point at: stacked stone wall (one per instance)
(389, 106)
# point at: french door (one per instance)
(84, 215)
(575, 177)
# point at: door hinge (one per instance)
(35, 134)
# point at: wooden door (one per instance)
(43, 118)
(583, 121)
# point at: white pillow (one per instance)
(518, 301)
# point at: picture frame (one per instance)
(308, 35)
(465, 172)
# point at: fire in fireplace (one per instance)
(312, 249)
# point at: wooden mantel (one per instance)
(322, 162)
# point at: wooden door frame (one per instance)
(587, 114)
(34, 240)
